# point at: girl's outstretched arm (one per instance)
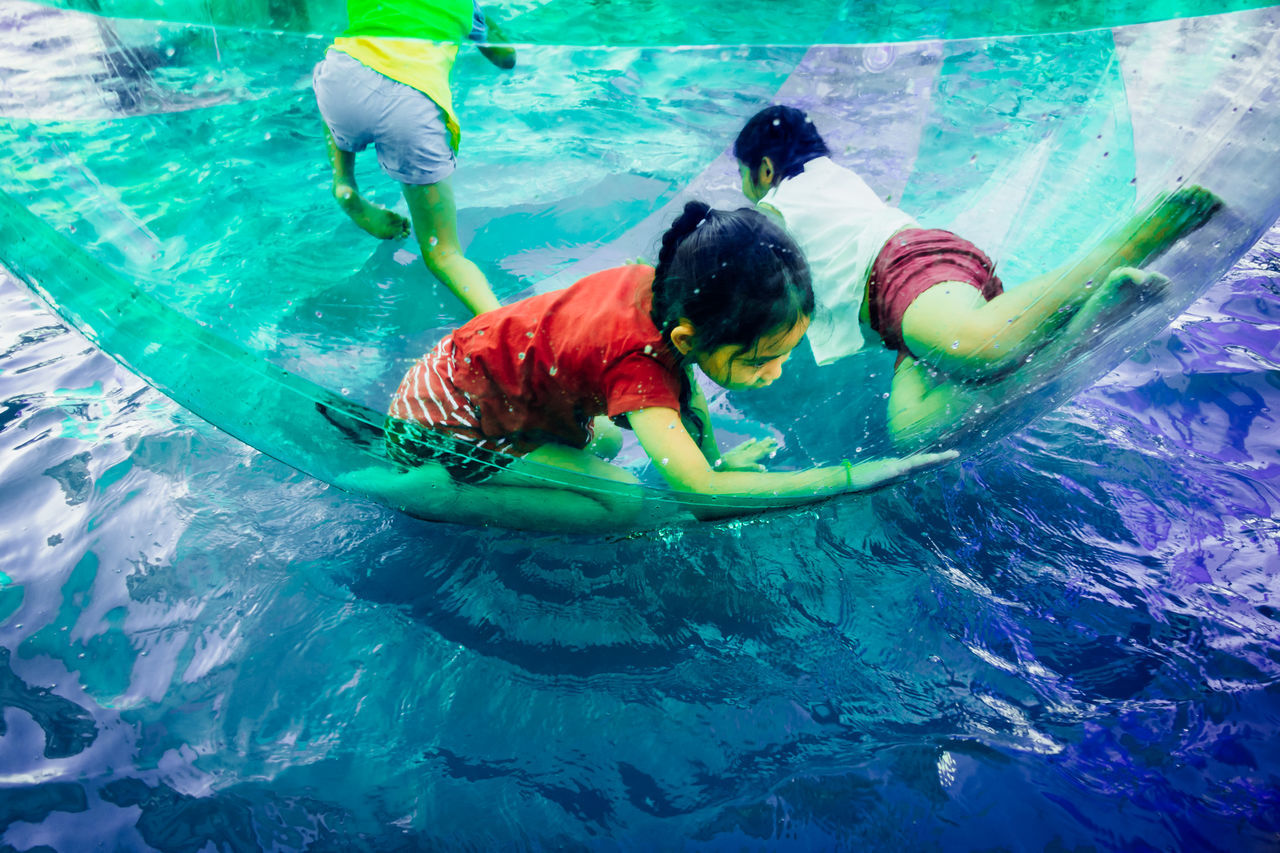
(686, 469)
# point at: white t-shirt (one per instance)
(841, 225)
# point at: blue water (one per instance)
(1071, 642)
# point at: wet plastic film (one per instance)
(167, 194)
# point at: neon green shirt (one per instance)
(413, 43)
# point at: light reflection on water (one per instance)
(1072, 639)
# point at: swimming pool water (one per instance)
(1071, 642)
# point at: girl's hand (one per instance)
(747, 456)
(877, 472)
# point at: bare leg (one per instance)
(925, 404)
(435, 221)
(570, 490)
(374, 218)
(952, 328)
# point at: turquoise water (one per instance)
(1070, 642)
(705, 22)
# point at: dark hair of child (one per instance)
(783, 134)
(733, 274)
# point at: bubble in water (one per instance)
(520, 356)
(528, 334)
(433, 242)
(955, 345)
(664, 460)
(554, 370)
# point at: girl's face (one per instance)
(739, 369)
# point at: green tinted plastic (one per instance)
(166, 190)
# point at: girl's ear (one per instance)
(765, 174)
(682, 337)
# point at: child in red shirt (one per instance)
(730, 293)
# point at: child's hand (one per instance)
(747, 456)
(501, 55)
(877, 472)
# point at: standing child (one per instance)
(730, 294)
(386, 81)
(926, 293)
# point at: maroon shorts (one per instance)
(914, 260)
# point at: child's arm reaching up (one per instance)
(686, 468)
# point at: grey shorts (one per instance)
(407, 128)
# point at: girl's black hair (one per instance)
(783, 134)
(734, 275)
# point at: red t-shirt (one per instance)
(543, 367)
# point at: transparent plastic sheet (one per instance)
(704, 22)
(167, 195)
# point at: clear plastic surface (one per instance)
(166, 190)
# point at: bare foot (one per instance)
(374, 218)
(1174, 216)
(1123, 290)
